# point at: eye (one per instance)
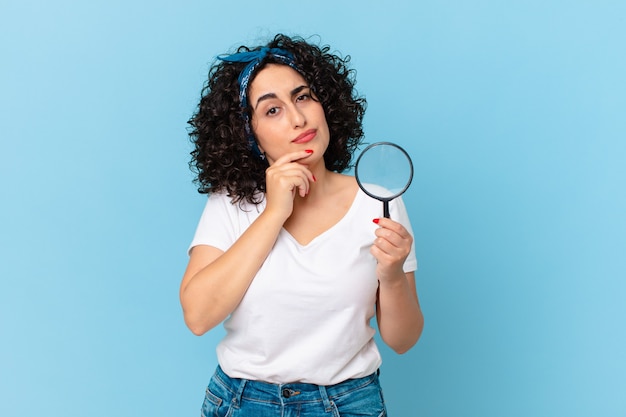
(303, 97)
(272, 111)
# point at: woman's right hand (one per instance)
(286, 177)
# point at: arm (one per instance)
(215, 281)
(398, 312)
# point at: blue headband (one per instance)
(254, 58)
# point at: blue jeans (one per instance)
(234, 397)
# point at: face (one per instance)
(285, 116)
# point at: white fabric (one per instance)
(306, 315)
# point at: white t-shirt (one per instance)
(306, 315)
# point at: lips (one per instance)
(305, 137)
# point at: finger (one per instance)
(293, 169)
(387, 254)
(388, 247)
(399, 237)
(293, 156)
(387, 223)
(296, 180)
(385, 258)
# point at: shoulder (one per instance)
(218, 200)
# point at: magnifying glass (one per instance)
(384, 171)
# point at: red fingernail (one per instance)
(314, 179)
(309, 151)
(376, 221)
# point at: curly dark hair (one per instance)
(222, 158)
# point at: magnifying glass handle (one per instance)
(386, 209)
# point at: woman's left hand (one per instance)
(400, 319)
(391, 248)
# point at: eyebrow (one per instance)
(269, 96)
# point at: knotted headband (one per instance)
(254, 58)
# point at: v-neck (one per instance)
(322, 236)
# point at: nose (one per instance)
(298, 118)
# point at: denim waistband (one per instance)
(289, 392)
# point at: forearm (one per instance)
(400, 319)
(212, 292)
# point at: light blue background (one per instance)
(514, 113)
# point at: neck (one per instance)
(323, 186)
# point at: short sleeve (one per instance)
(219, 224)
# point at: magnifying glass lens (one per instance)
(384, 171)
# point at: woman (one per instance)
(289, 253)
